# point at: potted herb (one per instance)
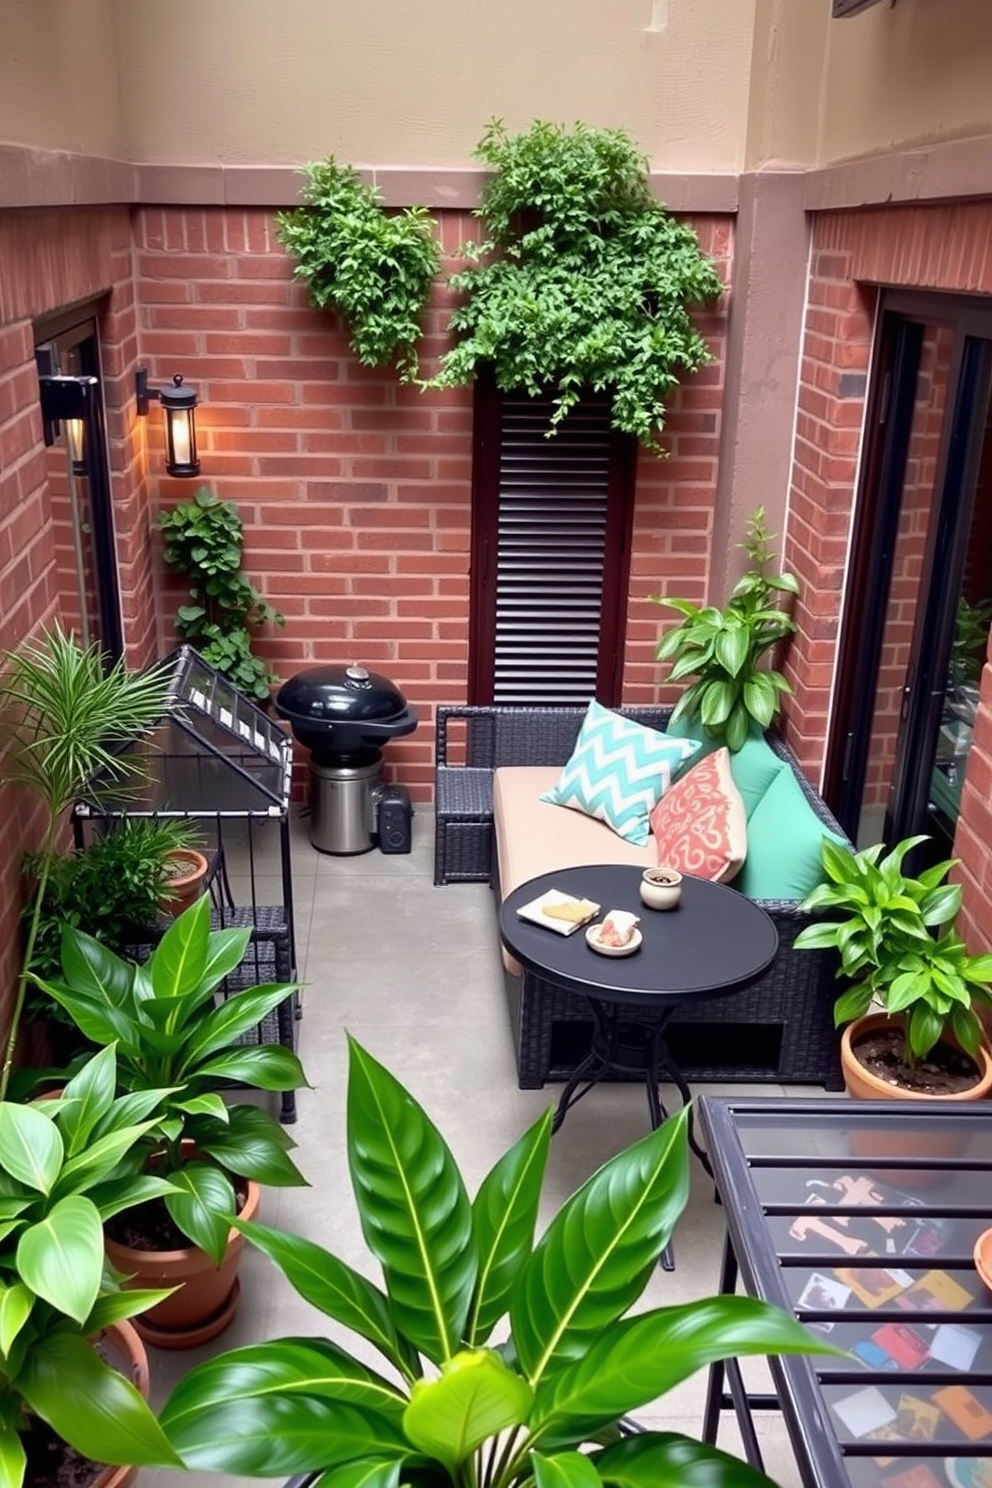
(374, 267)
(451, 1406)
(171, 1035)
(584, 280)
(64, 711)
(204, 543)
(898, 949)
(65, 1169)
(722, 649)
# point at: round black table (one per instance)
(715, 942)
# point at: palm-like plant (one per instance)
(65, 715)
(465, 1411)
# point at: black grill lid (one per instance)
(340, 694)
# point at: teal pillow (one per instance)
(784, 838)
(619, 770)
(754, 767)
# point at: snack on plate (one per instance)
(618, 928)
(573, 910)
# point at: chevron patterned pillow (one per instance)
(618, 771)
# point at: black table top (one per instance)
(715, 942)
(861, 1218)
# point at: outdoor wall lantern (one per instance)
(178, 404)
(75, 437)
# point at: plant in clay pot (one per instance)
(64, 711)
(898, 949)
(733, 693)
(68, 1165)
(451, 1405)
(171, 1035)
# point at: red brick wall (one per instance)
(939, 247)
(355, 491)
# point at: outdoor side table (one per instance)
(715, 942)
(861, 1217)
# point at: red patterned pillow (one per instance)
(699, 825)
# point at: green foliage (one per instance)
(64, 711)
(584, 280)
(374, 267)
(898, 946)
(971, 639)
(722, 649)
(67, 1165)
(204, 539)
(112, 888)
(172, 1037)
(482, 1415)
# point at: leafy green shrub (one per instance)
(374, 267)
(204, 540)
(584, 280)
(722, 648)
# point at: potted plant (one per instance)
(452, 1406)
(722, 649)
(66, 1167)
(585, 279)
(171, 1036)
(204, 542)
(64, 711)
(898, 949)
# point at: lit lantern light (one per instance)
(178, 406)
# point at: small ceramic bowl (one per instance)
(633, 944)
(661, 888)
(983, 1257)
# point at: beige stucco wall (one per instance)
(918, 71)
(58, 76)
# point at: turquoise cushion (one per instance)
(618, 771)
(784, 838)
(754, 767)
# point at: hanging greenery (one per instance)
(584, 280)
(374, 267)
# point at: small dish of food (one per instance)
(618, 935)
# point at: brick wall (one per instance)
(939, 247)
(355, 491)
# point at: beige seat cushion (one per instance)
(534, 837)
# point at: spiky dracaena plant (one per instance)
(454, 1409)
(63, 712)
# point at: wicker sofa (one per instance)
(780, 1030)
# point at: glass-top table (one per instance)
(861, 1219)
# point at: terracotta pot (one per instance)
(186, 886)
(128, 1356)
(921, 1142)
(208, 1294)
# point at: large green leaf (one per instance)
(294, 1366)
(16, 1303)
(644, 1357)
(61, 1257)
(226, 1024)
(364, 1472)
(123, 1193)
(94, 971)
(732, 647)
(31, 1148)
(657, 1459)
(266, 1067)
(565, 1470)
(12, 1457)
(100, 1022)
(90, 1405)
(474, 1398)
(273, 1435)
(335, 1290)
(180, 958)
(87, 1097)
(100, 1159)
(504, 1215)
(203, 1206)
(594, 1259)
(414, 1210)
(251, 1143)
(116, 1306)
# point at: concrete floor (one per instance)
(413, 972)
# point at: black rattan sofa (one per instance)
(780, 1030)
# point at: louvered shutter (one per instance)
(559, 531)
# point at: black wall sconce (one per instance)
(178, 403)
